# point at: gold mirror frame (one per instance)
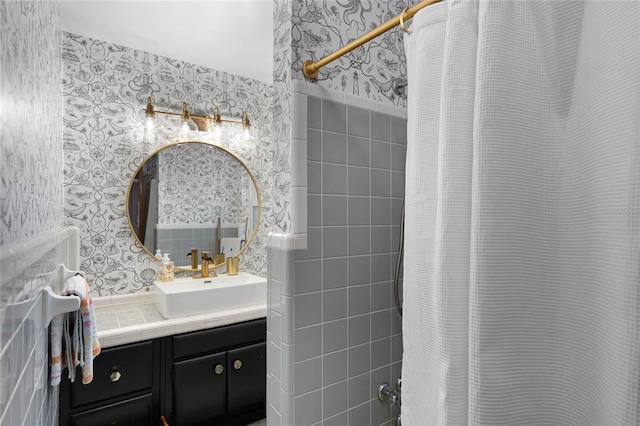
(238, 159)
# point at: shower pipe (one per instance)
(310, 68)
(396, 277)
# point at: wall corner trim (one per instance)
(281, 241)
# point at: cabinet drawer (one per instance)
(132, 412)
(217, 339)
(116, 372)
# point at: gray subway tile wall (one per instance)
(334, 399)
(358, 151)
(334, 179)
(280, 335)
(308, 342)
(380, 126)
(347, 336)
(334, 367)
(358, 121)
(177, 242)
(27, 397)
(334, 335)
(358, 211)
(334, 148)
(334, 304)
(334, 273)
(334, 210)
(334, 116)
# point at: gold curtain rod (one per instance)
(310, 68)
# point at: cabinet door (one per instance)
(133, 412)
(247, 378)
(199, 390)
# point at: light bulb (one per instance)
(149, 123)
(246, 124)
(217, 131)
(185, 129)
(188, 126)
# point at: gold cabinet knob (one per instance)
(115, 376)
(219, 369)
(237, 364)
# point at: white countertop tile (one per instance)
(131, 318)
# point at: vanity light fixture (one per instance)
(187, 123)
(246, 124)
(200, 122)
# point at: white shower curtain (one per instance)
(522, 247)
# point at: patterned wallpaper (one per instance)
(281, 125)
(104, 88)
(30, 118)
(198, 184)
(31, 193)
(376, 70)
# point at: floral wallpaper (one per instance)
(30, 118)
(199, 183)
(105, 86)
(31, 196)
(281, 125)
(376, 70)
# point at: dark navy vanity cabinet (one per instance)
(208, 377)
(219, 375)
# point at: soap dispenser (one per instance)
(166, 270)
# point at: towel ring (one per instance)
(402, 24)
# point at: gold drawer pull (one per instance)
(219, 369)
(115, 376)
(237, 364)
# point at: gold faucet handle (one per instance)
(206, 256)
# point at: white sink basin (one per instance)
(190, 296)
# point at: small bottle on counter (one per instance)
(166, 270)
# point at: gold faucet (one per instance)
(194, 258)
(206, 258)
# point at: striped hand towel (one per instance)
(74, 336)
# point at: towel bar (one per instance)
(53, 304)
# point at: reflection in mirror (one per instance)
(193, 194)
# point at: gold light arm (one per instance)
(245, 120)
(202, 121)
(217, 120)
(149, 111)
(185, 113)
(310, 68)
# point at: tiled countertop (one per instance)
(133, 318)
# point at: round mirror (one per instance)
(193, 195)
